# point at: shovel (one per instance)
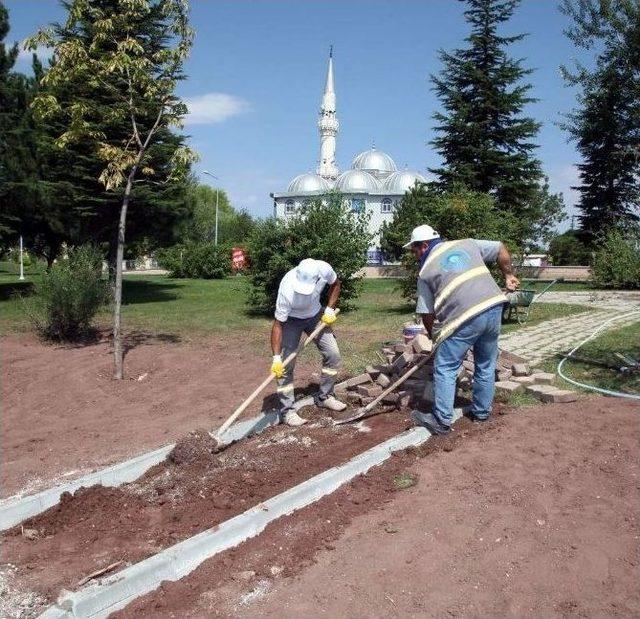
(362, 412)
(222, 429)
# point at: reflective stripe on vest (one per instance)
(461, 284)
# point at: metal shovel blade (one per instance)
(358, 414)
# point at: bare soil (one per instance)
(63, 415)
(192, 490)
(533, 514)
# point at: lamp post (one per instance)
(215, 242)
(21, 278)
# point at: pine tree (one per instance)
(484, 138)
(606, 124)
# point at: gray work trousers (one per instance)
(292, 331)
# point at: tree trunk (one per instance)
(117, 296)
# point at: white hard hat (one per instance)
(307, 276)
(422, 233)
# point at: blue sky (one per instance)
(257, 70)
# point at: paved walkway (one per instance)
(562, 334)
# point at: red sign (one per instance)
(238, 258)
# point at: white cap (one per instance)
(422, 233)
(307, 276)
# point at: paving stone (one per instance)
(559, 396)
(520, 369)
(503, 374)
(361, 379)
(369, 391)
(373, 371)
(383, 380)
(547, 378)
(506, 387)
(523, 380)
(537, 390)
(421, 344)
(402, 361)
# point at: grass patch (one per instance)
(625, 340)
(404, 481)
(191, 308)
(538, 286)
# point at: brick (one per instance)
(468, 365)
(369, 391)
(361, 379)
(559, 396)
(547, 378)
(520, 369)
(399, 348)
(422, 344)
(404, 398)
(383, 380)
(523, 380)
(506, 387)
(503, 374)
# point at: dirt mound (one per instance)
(197, 445)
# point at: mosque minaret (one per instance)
(373, 183)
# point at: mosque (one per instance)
(373, 184)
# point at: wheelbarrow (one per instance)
(519, 303)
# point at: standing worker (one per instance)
(456, 288)
(298, 310)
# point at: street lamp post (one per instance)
(215, 241)
(21, 278)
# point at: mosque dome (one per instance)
(402, 181)
(308, 182)
(375, 162)
(357, 181)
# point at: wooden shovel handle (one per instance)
(395, 385)
(312, 336)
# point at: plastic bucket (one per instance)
(410, 330)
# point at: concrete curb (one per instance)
(15, 509)
(98, 600)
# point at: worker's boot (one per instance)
(291, 418)
(332, 403)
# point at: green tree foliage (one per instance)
(616, 262)
(606, 123)
(158, 200)
(485, 140)
(569, 249)
(133, 51)
(325, 230)
(197, 260)
(68, 296)
(234, 227)
(456, 214)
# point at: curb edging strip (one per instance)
(98, 600)
(15, 509)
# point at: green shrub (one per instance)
(569, 249)
(67, 298)
(325, 230)
(196, 260)
(456, 214)
(616, 263)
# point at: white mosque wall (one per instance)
(379, 207)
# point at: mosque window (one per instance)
(289, 207)
(357, 205)
(387, 206)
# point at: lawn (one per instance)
(196, 308)
(602, 350)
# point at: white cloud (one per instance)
(214, 107)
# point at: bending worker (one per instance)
(456, 288)
(298, 310)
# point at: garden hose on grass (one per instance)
(617, 394)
